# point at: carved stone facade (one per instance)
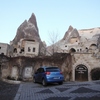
(22, 68)
(85, 62)
(4, 48)
(27, 48)
(84, 46)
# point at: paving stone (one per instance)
(8, 91)
(86, 98)
(62, 89)
(66, 91)
(45, 91)
(58, 98)
(84, 90)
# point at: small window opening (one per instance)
(15, 50)
(86, 49)
(29, 49)
(22, 49)
(33, 49)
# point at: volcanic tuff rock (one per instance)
(67, 33)
(84, 35)
(28, 30)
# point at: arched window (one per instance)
(15, 50)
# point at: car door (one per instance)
(40, 75)
(37, 75)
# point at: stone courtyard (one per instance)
(67, 91)
(8, 91)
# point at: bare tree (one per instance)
(53, 42)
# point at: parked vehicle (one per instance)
(47, 75)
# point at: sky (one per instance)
(53, 16)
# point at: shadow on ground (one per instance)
(8, 91)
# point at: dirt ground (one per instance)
(8, 91)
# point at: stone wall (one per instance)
(24, 67)
(86, 59)
(75, 67)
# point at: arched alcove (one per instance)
(95, 74)
(93, 46)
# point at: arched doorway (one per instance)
(95, 74)
(72, 50)
(81, 73)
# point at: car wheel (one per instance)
(34, 80)
(60, 83)
(44, 82)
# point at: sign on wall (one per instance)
(28, 72)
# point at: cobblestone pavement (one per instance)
(8, 91)
(67, 91)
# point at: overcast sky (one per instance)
(52, 16)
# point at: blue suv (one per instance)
(46, 75)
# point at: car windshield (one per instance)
(52, 70)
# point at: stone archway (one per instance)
(81, 73)
(95, 74)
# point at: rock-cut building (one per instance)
(77, 54)
(27, 41)
(84, 47)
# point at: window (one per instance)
(33, 49)
(65, 45)
(15, 50)
(22, 50)
(52, 69)
(0, 47)
(86, 49)
(29, 49)
(40, 70)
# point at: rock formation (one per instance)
(28, 30)
(77, 38)
(67, 33)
